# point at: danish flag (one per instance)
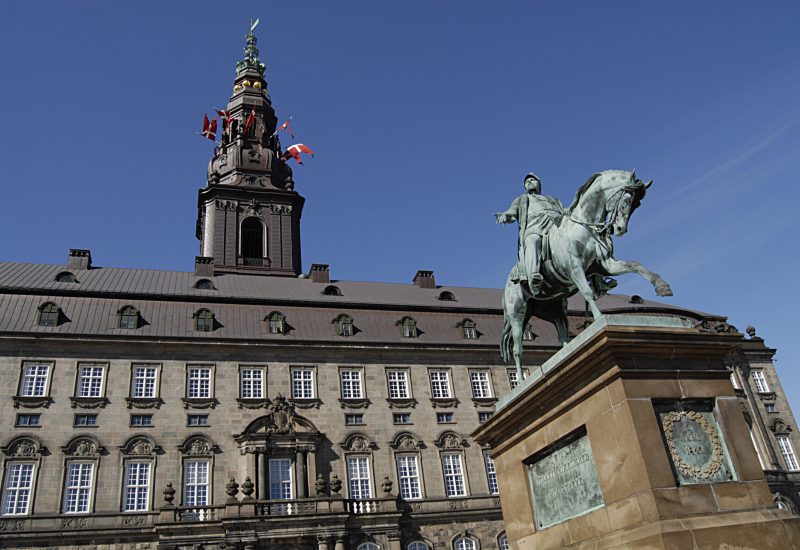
(285, 126)
(251, 118)
(293, 151)
(225, 117)
(209, 128)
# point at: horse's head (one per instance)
(628, 199)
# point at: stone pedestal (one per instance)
(632, 437)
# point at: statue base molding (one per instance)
(631, 436)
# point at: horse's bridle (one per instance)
(601, 228)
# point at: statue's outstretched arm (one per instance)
(509, 215)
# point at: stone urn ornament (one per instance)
(169, 494)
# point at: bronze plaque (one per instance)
(694, 442)
(564, 481)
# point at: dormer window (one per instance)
(49, 315)
(409, 327)
(332, 290)
(129, 317)
(344, 325)
(636, 299)
(204, 284)
(276, 322)
(447, 296)
(469, 330)
(204, 321)
(66, 277)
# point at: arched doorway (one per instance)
(253, 241)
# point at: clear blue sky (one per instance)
(424, 117)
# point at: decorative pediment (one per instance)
(140, 445)
(358, 443)
(198, 445)
(406, 441)
(451, 441)
(24, 447)
(83, 447)
(280, 417)
(779, 427)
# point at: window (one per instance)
(401, 418)
(204, 284)
(502, 542)
(447, 296)
(484, 416)
(770, 407)
(303, 383)
(280, 478)
(351, 384)
(408, 474)
(199, 383)
(34, 380)
(141, 420)
(332, 290)
(491, 474)
(512, 377)
(344, 325)
(137, 487)
(27, 420)
(418, 545)
(195, 483)
(66, 277)
(129, 317)
(253, 239)
(90, 381)
(479, 380)
(409, 326)
(143, 381)
(464, 543)
(85, 420)
(251, 382)
(453, 475)
(787, 451)
(760, 381)
(197, 420)
(398, 384)
(18, 488)
(444, 418)
(78, 488)
(204, 321)
(49, 314)
(440, 384)
(368, 546)
(358, 477)
(275, 322)
(353, 419)
(469, 330)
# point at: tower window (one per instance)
(129, 317)
(49, 314)
(252, 240)
(204, 321)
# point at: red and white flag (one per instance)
(251, 119)
(225, 117)
(209, 128)
(293, 152)
(286, 126)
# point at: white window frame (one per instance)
(480, 382)
(136, 496)
(193, 378)
(95, 386)
(40, 385)
(398, 383)
(787, 452)
(18, 489)
(491, 474)
(304, 379)
(760, 381)
(454, 475)
(418, 545)
(252, 387)
(502, 541)
(189, 490)
(83, 494)
(409, 476)
(440, 378)
(360, 487)
(464, 543)
(283, 486)
(512, 377)
(138, 391)
(351, 383)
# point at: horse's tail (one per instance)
(506, 341)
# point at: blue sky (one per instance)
(424, 117)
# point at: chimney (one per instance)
(204, 266)
(425, 279)
(79, 259)
(320, 273)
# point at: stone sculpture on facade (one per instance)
(561, 252)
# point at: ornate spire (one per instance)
(251, 60)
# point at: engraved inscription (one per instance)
(564, 481)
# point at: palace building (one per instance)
(251, 404)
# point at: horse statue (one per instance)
(575, 251)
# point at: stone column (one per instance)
(263, 492)
(322, 543)
(301, 474)
(339, 543)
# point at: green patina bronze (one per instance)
(251, 60)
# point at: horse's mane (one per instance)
(582, 190)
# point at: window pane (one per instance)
(90, 381)
(199, 383)
(398, 384)
(788, 452)
(144, 382)
(358, 476)
(252, 383)
(351, 384)
(491, 474)
(17, 490)
(34, 380)
(137, 486)
(480, 384)
(78, 488)
(280, 478)
(195, 483)
(440, 384)
(303, 384)
(408, 474)
(453, 475)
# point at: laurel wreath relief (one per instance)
(714, 463)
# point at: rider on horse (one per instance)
(536, 214)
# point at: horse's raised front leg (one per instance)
(618, 267)
(579, 278)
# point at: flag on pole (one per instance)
(286, 126)
(251, 119)
(225, 117)
(209, 128)
(293, 151)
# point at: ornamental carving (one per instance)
(83, 447)
(252, 208)
(713, 464)
(198, 446)
(140, 446)
(133, 521)
(23, 447)
(12, 525)
(254, 156)
(406, 442)
(280, 417)
(358, 443)
(719, 327)
(225, 205)
(74, 523)
(451, 441)
(281, 208)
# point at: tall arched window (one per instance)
(252, 240)
(464, 543)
